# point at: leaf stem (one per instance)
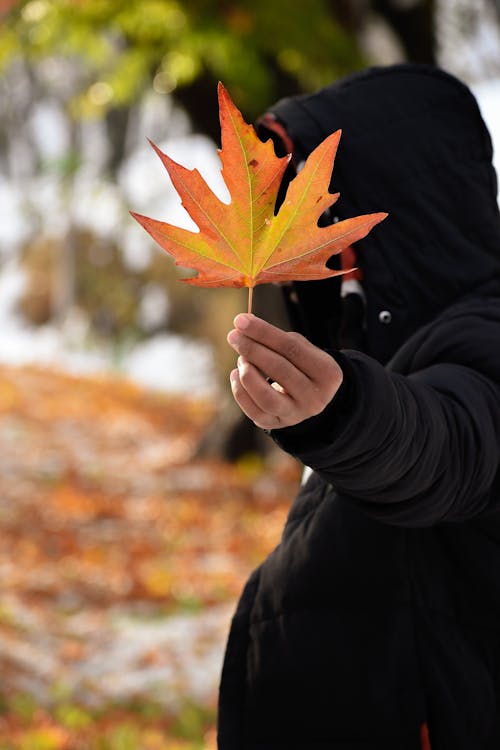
(250, 296)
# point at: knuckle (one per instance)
(329, 373)
(317, 407)
(335, 375)
(293, 344)
(281, 371)
(245, 376)
(237, 390)
(245, 346)
(316, 401)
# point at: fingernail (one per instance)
(242, 321)
(233, 377)
(233, 337)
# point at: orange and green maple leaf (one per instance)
(243, 243)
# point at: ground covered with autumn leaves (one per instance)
(121, 557)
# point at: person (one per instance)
(375, 622)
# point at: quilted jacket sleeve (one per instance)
(410, 450)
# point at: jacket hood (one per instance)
(413, 144)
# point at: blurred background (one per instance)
(132, 506)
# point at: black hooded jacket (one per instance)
(379, 611)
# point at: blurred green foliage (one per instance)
(125, 46)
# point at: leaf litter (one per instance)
(121, 555)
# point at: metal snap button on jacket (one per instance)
(385, 316)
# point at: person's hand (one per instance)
(282, 378)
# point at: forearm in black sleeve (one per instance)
(409, 450)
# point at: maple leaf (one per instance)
(243, 243)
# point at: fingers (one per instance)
(270, 363)
(248, 406)
(292, 347)
(268, 398)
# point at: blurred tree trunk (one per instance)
(117, 124)
(63, 287)
(412, 21)
(64, 269)
(413, 24)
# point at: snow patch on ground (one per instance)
(165, 660)
(172, 363)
